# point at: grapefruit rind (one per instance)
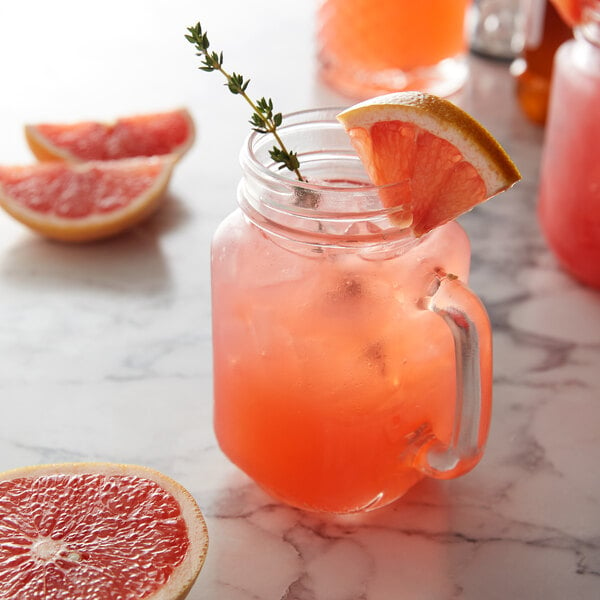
(445, 120)
(185, 574)
(95, 226)
(46, 150)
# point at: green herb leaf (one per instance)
(263, 120)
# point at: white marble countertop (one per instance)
(106, 348)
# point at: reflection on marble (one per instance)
(106, 347)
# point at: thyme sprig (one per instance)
(264, 119)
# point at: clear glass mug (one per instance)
(372, 47)
(350, 358)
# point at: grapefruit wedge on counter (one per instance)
(78, 202)
(152, 134)
(450, 161)
(78, 531)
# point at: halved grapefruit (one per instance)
(140, 135)
(450, 161)
(85, 201)
(79, 531)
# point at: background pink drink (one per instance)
(569, 197)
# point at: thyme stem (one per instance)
(263, 120)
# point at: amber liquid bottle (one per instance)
(545, 32)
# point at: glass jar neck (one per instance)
(335, 206)
(589, 29)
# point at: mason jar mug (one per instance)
(350, 358)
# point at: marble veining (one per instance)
(106, 348)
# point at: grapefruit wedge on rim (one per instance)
(153, 134)
(450, 161)
(85, 201)
(78, 531)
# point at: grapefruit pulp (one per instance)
(450, 161)
(85, 201)
(140, 135)
(83, 531)
(570, 10)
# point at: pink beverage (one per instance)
(370, 47)
(343, 348)
(569, 196)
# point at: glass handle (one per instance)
(471, 416)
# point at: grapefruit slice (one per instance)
(79, 531)
(141, 135)
(85, 201)
(570, 10)
(450, 161)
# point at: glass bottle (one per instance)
(569, 195)
(497, 28)
(545, 31)
(350, 358)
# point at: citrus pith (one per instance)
(450, 160)
(152, 134)
(85, 201)
(78, 531)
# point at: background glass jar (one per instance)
(371, 47)
(569, 194)
(350, 359)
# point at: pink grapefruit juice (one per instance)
(327, 373)
(360, 38)
(569, 196)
